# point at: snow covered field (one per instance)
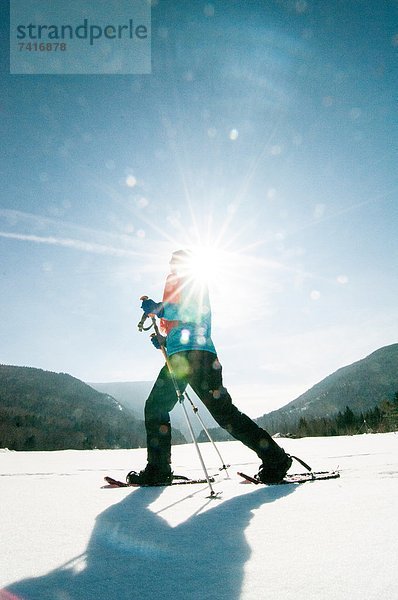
(64, 537)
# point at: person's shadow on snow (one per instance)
(134, 553)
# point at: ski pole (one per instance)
(180, 396)
(195, 409)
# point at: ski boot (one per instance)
(275, 465)
(151, 475)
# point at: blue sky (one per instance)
(268, 131)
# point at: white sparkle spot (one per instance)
(342, 279)
(327, 101)
(185, 335)
(131, 181)
(141, 233)
(301, 6)
(276, 150)
(208, 10)
(82, 101)
(233, 134)
(174, 219)
(297, 140)
(319, 211)
(142, 202)
(163, 33)
(315, 295)
(355, 113)
(307, 34)
(47, 267)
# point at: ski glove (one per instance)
(158, 341)
(152, 308)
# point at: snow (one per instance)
(65, 537)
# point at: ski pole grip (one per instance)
(143, 318)
(150, 314)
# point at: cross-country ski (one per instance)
(295, 477)
(177, 480)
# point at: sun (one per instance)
(207, 270)
(198, 264)
(205, 264)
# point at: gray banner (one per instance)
(80, 37)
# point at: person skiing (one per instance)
(185, 321)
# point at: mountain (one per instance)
(132, 394)
(361, 386)
(42, 410)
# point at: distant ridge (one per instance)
(361, 386)
(132, 394)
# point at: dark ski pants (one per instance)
(202, 371)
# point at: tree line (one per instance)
(22, 430)
(381, 419)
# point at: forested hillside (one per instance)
(361, 386)
(41, 410)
